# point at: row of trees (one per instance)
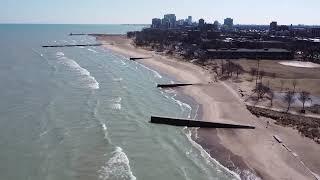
(261, 90)
(289, 96)
(307, 50)
(303, 96)
(230, 68)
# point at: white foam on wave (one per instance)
(156, 74)
(59, 54)
(116, 106)
(117, 167)
(183, 106)
(117, 79)
(206, 155)
(91, 82)
(122, 62)
(117, 100)
(37, 52)
(170, 91)
(116, 103)
(105, 130)
(92, 50)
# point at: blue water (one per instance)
(83, 113)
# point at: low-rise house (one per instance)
(233, 53)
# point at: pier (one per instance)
(193, 123)
(72, 45)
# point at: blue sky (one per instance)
(142, 11)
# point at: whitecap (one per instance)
(59, 54)
(182, 105)
(117, 100)
(43, 133)
(122, 62)
(117, 79)
(170, 91)
(117, 167)
(84, 74)
(207, 156)
(105, 130)
(116, 106)
(156, 74)
(92, 50)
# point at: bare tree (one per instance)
(294, 84)
(289, 99)
(258, 70)
(303, 97)
(282, 84)
(239, 70)
(271, 94)
(229, 68)
(222, 67)
(261, 90)
(261, 75)
(253, 72)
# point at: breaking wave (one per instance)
(156, 74)
(85, 75)
(116, 103)
(207, 156)
(183, 106)
(117, 167)
(117, 79)
(92, 50)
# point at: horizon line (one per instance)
(21, 23)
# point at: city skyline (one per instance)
(128, 12)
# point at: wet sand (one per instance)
(249, 153)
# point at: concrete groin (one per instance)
(77, 34)
(72, 45)
(193, 123)
(89, 34)
(172, 85)
(139, 58)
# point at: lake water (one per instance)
(83, 113)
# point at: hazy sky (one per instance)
(142, 11)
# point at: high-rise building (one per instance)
(216, 25)
(315, 32)
(169, 20)
(156, 23)
(189, 20)
(201, 23)
(228, 23)
(273, 26)
(180, 22)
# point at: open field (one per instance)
(308, 79)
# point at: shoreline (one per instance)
(242, 148)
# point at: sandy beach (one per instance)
(253, 154)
